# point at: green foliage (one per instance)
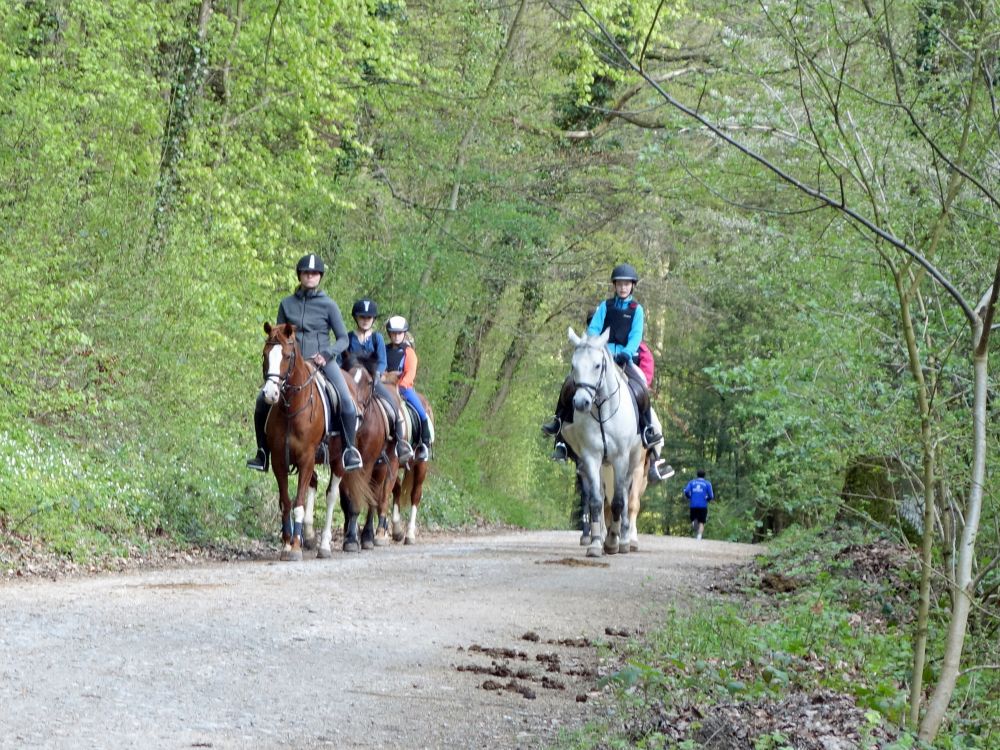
(821, 635)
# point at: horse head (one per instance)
(362, 369)
(279, 359)
(590, 368)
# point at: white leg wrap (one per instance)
(298, 514)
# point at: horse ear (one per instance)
(573, 338)
(603, 338)
(267, 328)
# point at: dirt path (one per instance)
(360, 651)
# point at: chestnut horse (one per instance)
(409, 485)
(295, 430)
(377, 446)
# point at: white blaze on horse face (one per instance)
(271, 390)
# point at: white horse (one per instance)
(604, 432)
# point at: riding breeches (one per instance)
(414, 400)
(335, 375)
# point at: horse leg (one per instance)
(416, 494)
(368, 532)
(593, 491)
(294, 552)
(308, 527)
(285, 505)
(612, 543)
(397, 520)
(332, 494)
(640, 481)
(582, 490)
(352, 542)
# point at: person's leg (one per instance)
(659, 469)
(651, 434)
(261, 461)
(422, 452)
(348, 416)
(564, 415)
(404, 451)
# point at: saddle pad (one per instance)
(324, 396)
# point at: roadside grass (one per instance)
(813, 641)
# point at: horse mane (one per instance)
(367, 361)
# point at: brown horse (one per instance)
(295, 430)
(377, 444)
(409, 485)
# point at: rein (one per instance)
(598, 403)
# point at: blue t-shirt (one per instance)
(699, 492)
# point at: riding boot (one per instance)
(424, 449)
(649, 434)
(352, 457)
(261, 461)
(564, 410)
(404, 451)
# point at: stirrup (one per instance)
(404, 451)
(660, 470)
(650, 436)
(260, 462)
(352, 459)
(552, 427)
(423, 453)
(559, 453)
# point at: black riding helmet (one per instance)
(364, 307)
(624, 272)
(310, 263)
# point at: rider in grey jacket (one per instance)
(314, 315)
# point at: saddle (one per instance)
(413, 422)
(331, 402)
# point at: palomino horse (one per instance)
(409, 486)
(604, 431)
(357, 489)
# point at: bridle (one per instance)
(287, 390)
(598, 403)
(595, 410)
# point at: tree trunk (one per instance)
(963, 584)
(190, 72)
(531, 295)
(462, 152)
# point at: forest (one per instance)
(809, 189)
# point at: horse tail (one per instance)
(356, 488)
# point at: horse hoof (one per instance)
(398, 532)
(409, 539)
(323, 553)
(584, 540)
(352, 547)
(595, 549)
(623, 549)
(381, 541)
(611, 546)
(291, 555)
(309, 543)
(633, 546)
(367, 544)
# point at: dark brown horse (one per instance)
(409, 485)
(296, 428)
(377, 445)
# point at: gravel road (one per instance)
(390, 648)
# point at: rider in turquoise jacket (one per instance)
(624, 318)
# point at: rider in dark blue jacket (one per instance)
(314, 315)
(365, 340)
(625, 319)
